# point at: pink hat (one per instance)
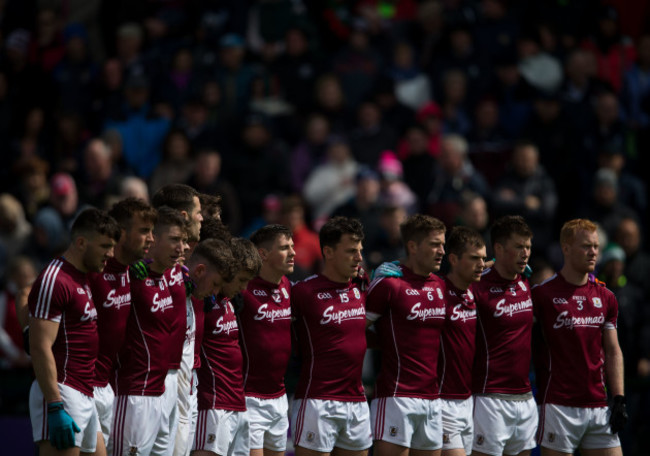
(389, 166)
(62, 184)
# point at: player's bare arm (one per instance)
(613, 362)
(42, 336)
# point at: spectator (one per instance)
(418, 164)
(134, 187)
(47, 48)
(371, 137)
(310, 151)
(388, 244)
(393, 112)
(129, 40)
(636, 86)
(181, 82)
(15, 230)
(32, 190)
(100, 176)
(474, 214)
(631, 189)
(305, 240)
(628, 235)
(176, 165)
(393, 190)
(527, 190)
(412, 87)
(331, 103)
(456, 117)
(234, 75)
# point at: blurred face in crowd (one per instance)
(628, 236)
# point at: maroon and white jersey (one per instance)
(199, 322)
(220, 374)
(330, 322)
(176, 284)
(570, 359)
(265, 337)
(111, 291)
(409, 314)
(503, 335)
(144, 357)
(61, 293)
(457, 344)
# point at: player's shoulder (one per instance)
(306, 285)
(548, 284)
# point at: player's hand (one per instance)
(387, 269)
(140, 269)
(61, 425)
(618, 414)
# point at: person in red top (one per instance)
(265, 339)
(111, 291)
(466, 254)
(144, 356)
(578, 359)
(330, 412)
(408, 314)
(63, 339)
(505, 414)
(222, 426)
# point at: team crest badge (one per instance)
(133, 451)
(598, 303)
(211, 438)
(285, 293)
(480, 439)
(149, 283)
(521, 284)
(470, 295)
(81, 291)
(310, 436)
(440, 293)
(551, 437)
(393, 431)
(445, 438)
(356, 293)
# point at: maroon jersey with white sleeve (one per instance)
(144, 357)
(457, 344)
(176, 284)
(408, 311)
(112, 297)
(572, 319)
(220, 374)
(61, 294)
(503, 335)
(265, 337)
(330, 321)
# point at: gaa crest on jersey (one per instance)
(81, 291)
(597, 303)
(133, 451)
(357, 294)
(310, 436)
(480, 439)
(211, 438)
(285, 293)
(149, 282)
(393, 431)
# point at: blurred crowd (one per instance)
(294, 110)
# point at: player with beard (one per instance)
(505, 414)
(405, 311)
(578, 358)
(111, 291)
(265, 339)
(222, 426)
(466, 256)
(64, 341)
(330, 412)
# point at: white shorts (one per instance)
(503, 426)
(269, 421)
(565, 428)
(407, 421)
(457, 424)
(136, 424)
(164, 445)
(223, 432)
(182, 442)
(322, 425)
(104, 399)
(79, 406)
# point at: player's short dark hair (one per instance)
(417, 227)
(213, 228)
(246, 255)
(176, 196)
(266, 236)
(94, 221)
(217, 254)
(168, 217)
(508, 225)
(331, 232)
(461, 238)
(210, 204)
(125, 210)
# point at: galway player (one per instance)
(265, 339)
(64, 342)
(409, 314)
(186, 200)
(330, 412)
(111, 290)
(466, 255)
(222, 426)
(579, 353)
(505, 414)
(144, 357)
